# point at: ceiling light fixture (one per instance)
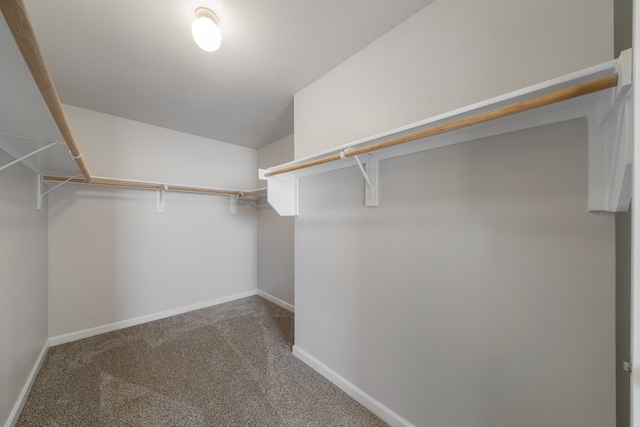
(205, 30)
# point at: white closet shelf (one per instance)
(601, 94)
(160, 188)
(149, 185)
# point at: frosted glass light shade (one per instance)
(205, 30)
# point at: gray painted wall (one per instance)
(623, 316)
(623, 26)
(275, 233)
(450, 54)
(481, 291)
(142, 262)
(23, 287)
(623, 10)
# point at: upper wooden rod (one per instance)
(130, 184)
(497, 113)
(15, 13)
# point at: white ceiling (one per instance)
(136, 59)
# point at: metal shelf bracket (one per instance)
(369, 171)
(41, 194)
(160, 199)
(233, 206)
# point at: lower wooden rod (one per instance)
(125, 184)
(515, 108)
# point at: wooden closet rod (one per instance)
(515, 108)
(15, 14)
(133, 184)
(255, 193)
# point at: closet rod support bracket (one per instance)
(40, 184)
(359, 163)
(610, 125)
(282, 192)
(610, 102)
(160, 198)
(371, 191)
(233, 206)
(41, 193)
(369, 171)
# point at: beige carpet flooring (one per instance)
(228, 365)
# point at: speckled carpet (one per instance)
(228, 365)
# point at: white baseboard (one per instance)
(22, 398)
(356, 393)
(86, 333)
(277, 301)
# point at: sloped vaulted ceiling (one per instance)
(136, 59)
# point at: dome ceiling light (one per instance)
(205, 30)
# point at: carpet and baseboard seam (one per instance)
(22, 398)
(352, 390)
(277, 301)
(90, 332)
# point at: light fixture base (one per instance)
(207, 13)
